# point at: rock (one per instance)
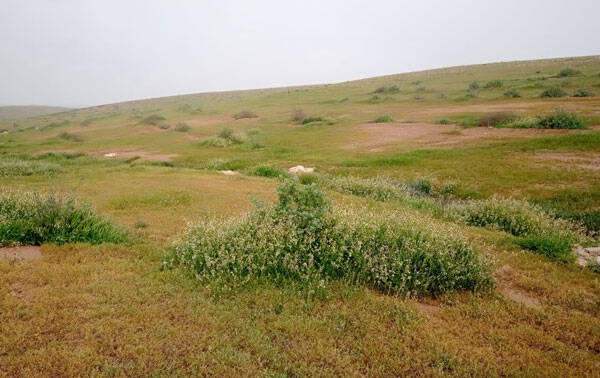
(229, 173)
(301, 169)
(110, 155)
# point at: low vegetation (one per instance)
(33, 219)
(153, 119)
(583, 93)
(317, 119)
(182, 127)
(384, 119)
(245, 114)
(493, 84)
(568, 72)
(387, 89)
(302, 240)
(19, 167)
(553, 92)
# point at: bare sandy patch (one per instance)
(426, 309)
(579, 160)
(28, 252)
(144, 155)
(520, 297)
(379, 136)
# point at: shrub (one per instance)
(384, 119)
(71, 137)
(34, 219)
(308, 178)
(561, 120)
(583, 93)
(535, 229)
(493, 84)
(386, 89)
(566, 72)
(153, 119)
(421, 186)
(380, 189)
(16, 167)
(316, 119)
(267, 171)
(164, 126)
(86, 122)
(553, 92)
(298, 115)
(497, 119)
(245, 114)
(182, 127)
(474, 86)
(512, 93)
(302, 240)
(443, 121)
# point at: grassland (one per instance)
(113, 310)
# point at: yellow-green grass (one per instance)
(111, 310)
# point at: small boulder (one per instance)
(301, 169)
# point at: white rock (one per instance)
(229, 173)
(110, 155)
(301, 169)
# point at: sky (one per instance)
(88, 52)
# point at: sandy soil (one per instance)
(20, 253)
(378, 136)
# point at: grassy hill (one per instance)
(24, 111)
(498, 159)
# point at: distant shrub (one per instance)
(153, 119)
(583, 93)
(182, 127)
(34, 219)
(497, 119)
(17, 167)
(387, 89)
(164, 126)
(317, 119)
(379, 189)
(384, 119)
(553, 92)
(420, 186)
(567, 72)
(301, 239)
(443, 121)
(224, 138)
(86, 122)
(512, 93)
(375, 99)
(420, 89)
(474, 86)
(298, 115)
(493, 84)
(71, 137)
(535, 229)
(441, 96)
(561, 119)
(267, 171)
(245, 114)
(521, 123)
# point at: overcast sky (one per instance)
(85, 52)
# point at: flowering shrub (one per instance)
(303, 239)
(31, 218)
(535, 229)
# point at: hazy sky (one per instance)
(85, 52)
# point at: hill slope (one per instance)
(24, 111)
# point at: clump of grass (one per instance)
(375, 99)
(301, 239)
(153, 119)
(387, 89)
(420, 186)
(512, 93)
(568, 72)
(86, 122)
(493, 84)
(182, 127)
(308, 178)
(245, 114)
(553, 92)
(18, 167)
(317, 119)
(379, 188)
(474, 86)
(561, 119)
(33, 219)
(268, 171)
(583, 93)
(443, 121)
(535, 229)
(226, 137)
(384, 119)
(497, 118)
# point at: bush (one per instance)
(443, 121)
(386, 89)
(561, 120)
(298, 115)
(315, 119)
(553, 92)
(535, 229)
(421, 186)
(566, 72)
(182, 127)
(70, 137)
(34, 219)
(583, 93)
(153, 119)
(302, 240)
(267, 171)
(16, 167)
(493, 84)
(497, 119)
(474, 86)
(164, 126)
(384, 119)
(512, 93)
(245, 114)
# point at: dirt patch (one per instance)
(29, 252)
(426, 309)
(379, 136)
(144, 155)
(520, 297)
(579, 160)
